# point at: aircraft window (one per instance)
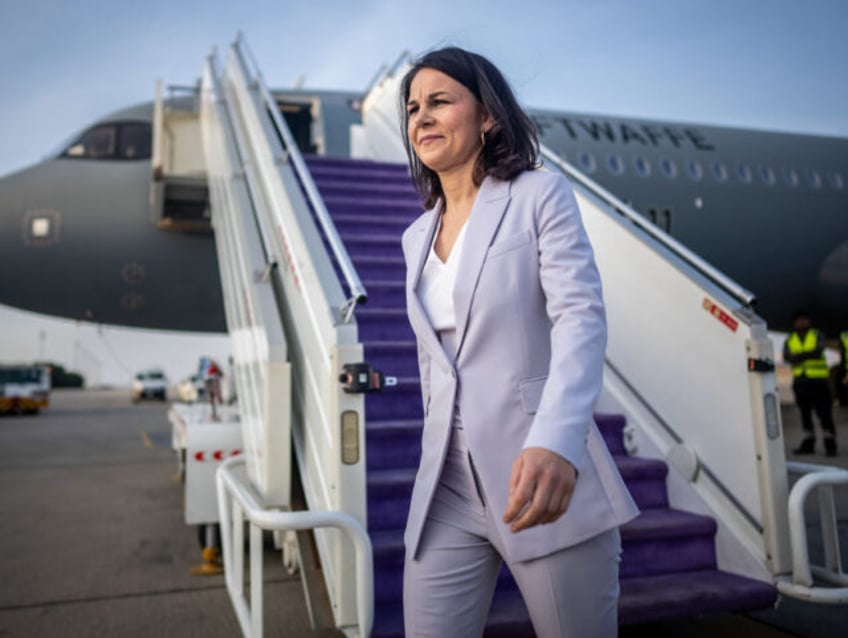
(791, 177)
(720, 172)
(669, 168)
(745, 174)
(652, 215)
(695, 170)
(767, 175)
(813, 178)
(616, 166)
(40, 227)
(95, 143)
(643, 166)
(135, 141)
(587, 161)
(667, 220)
(836, 181)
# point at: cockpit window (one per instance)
(135, 141)
(117, 140)
(95, 143)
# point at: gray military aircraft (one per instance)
(93, 234)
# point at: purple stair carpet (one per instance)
(668, 566)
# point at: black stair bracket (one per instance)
(360, 377)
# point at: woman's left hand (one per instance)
(540, 488)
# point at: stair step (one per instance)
(388, 497)
(352, 222)
(379, 267)
(661, 541)
(383, 324)
(355, 172)
(662, 596)
(654, 524)
(611, 427)
(393, 444)
(328, 162)
(645, 478)
(385, 293)
(657, 542)
(646, 599)
(388, 550)
(393, 358)
(402, 401)
(372, 245)
(372, 187)
(362, 181)
(357, 204)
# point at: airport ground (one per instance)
(93, 543)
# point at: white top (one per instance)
(437, 283)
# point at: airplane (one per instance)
(92, 233)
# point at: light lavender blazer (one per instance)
(531, 334)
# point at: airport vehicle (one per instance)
(149, 384)
(308, 193)
(24, 388)
(191, 388)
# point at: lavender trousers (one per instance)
(448, 588)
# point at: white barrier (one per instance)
(236, 504)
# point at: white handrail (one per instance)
(738, 292)
(239, 144)
(357, 289)
(821, 478)
(309, 296)
(260, 349)
(246, 505)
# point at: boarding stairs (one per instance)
(706, 469)
(669, 566)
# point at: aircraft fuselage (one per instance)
(768, 209)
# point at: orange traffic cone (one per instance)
(211, 565)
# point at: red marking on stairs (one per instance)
(717, 312)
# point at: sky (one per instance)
(769, 64)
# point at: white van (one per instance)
(150, 384)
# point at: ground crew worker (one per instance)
(804, 351)
(213, 382)
(842, 380)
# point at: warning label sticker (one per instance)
(716, 311)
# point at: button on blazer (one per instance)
(528, 366)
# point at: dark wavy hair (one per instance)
(512, 144)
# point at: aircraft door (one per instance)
(300, 121)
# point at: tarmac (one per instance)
(93, 541)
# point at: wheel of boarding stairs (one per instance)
(668, 566)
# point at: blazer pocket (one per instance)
(510, 243)
(531, 393)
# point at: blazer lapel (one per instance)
(417, 315)
(485, 219)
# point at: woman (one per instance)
(505, 301)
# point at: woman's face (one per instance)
(445, 121)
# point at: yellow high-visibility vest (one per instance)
(844, 338)
(810, 368)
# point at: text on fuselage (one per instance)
(620, 132)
